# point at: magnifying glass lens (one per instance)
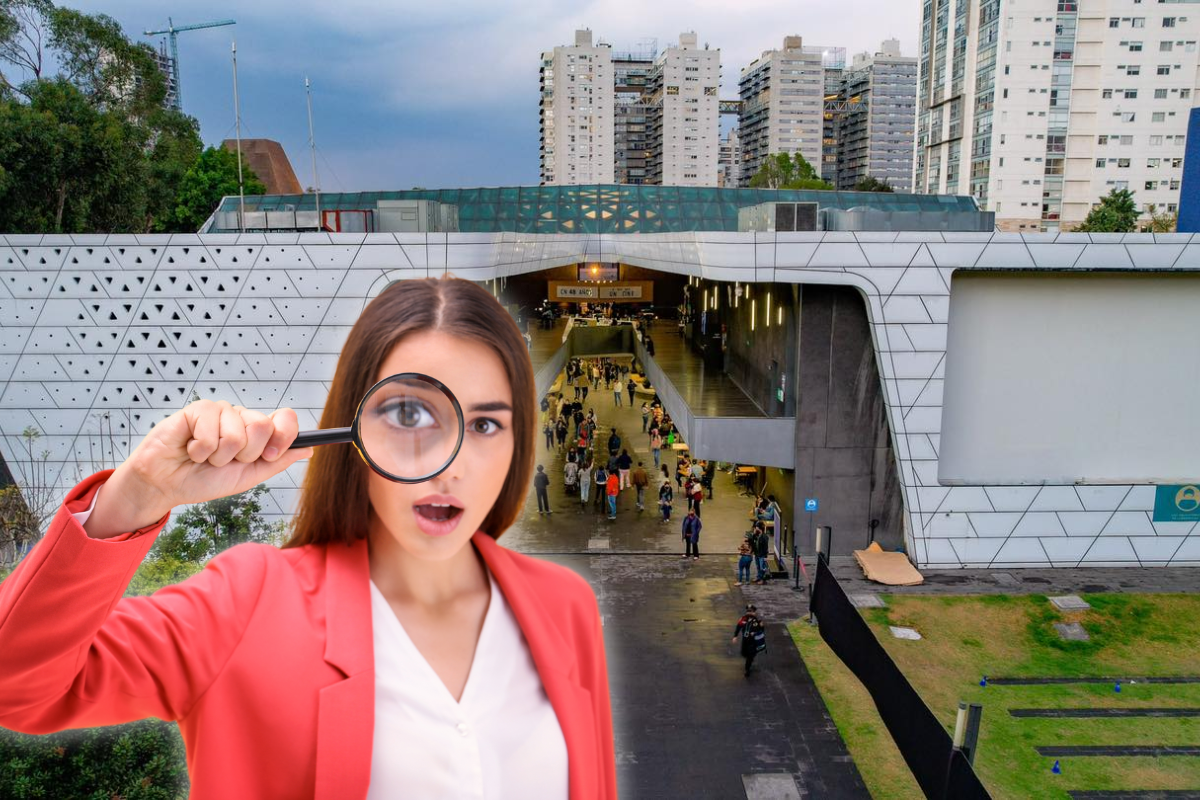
(409, 428)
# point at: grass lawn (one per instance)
(1009, 636)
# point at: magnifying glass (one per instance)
(408, 428)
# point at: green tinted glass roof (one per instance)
(604, 208)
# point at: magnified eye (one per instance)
(407, 413)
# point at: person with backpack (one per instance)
(691, 535)
(601, 481)
(753, 634)
(665, 496)
(631, 387)
(697, 495)
(614, 443)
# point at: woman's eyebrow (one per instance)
(494, 405)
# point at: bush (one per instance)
(143, 760)
(153, 574)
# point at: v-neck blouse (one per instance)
(501, 740)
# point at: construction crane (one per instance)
(172, 32)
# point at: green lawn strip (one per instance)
(1001, 635)
(882, 767)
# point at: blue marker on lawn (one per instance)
(1117, 687)
(984, 681)
(1056, 769)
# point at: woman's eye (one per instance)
(407, 414)
(495, 426)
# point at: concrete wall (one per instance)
(844, 456)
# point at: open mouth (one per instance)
(438, 513)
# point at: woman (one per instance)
(656, 445)
(585, 484)
(368, 657)
(745, 559)
(665, 496)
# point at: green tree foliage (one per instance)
(89, 147)
(784, 171)
(205, 529)
(1117, 213)
(213, 176)
(155, 573)
(872, 184)
(1161, 221)
(143, 760)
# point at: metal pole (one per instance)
(974, 716)
(960, 725)
(237, 119)
(312, 143)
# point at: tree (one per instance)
(783, 171)
(206, 529)
(88, 148)
(1160, 221)
(213, 176)
(872, 184)
(1116, 213)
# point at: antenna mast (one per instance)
(237, 117)
(312, 143)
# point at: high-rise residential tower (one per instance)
(631, 74)
(577, 113)
(1038, 109)
(878, 119)
(683, 115)
(729, 160)
(783, 103)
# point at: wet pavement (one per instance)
(687, 722)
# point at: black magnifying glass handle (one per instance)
(325, 436)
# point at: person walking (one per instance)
(697, 495)
(617, 388)
(614, 442)
(753, 634)
(656, 445)
(548, 429)
(596, 376)
(761, 548)
(645, 413)
(560, 431)
(585, 485)
(631, 387)
(745, 559)
(666, 473)
(571, 474)
(691, 535)
(665, 496)
(601, 481)
(624, 462)
(614, 489)
(640, 481)
(540, 481)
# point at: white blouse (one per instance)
(502, 740)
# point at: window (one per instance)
(1133, 69)
(1139, 22)
(1114, 22)
(1160, 94)
(1135, 47)
(1151, 185)
(1168, 22)
(1102, 139)
(1131, 94)
(1185, 93)
(1152, 162)
(1164, 69)
(1126, 116)
(1107, 94)
(1164, 47)
(1156, 141)
(1100, 162)
(1126, 139)
(1123, 163)
(1158, 116)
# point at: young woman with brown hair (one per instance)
(391, 648)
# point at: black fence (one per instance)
(941, 771)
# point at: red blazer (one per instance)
(265, 658)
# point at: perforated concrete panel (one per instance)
(130, 326)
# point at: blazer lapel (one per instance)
(346, 709)
(557, 666)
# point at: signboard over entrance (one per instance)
(571, 292)
(618, 292)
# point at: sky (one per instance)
(445, 94)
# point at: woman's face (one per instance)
(476, 376)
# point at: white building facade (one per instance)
(878, 118)
(577, 137)
(683, 115)
(729, 160)
(1038, 109)
(783, 106)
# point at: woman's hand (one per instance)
(207, 450)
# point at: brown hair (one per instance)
(334, 505)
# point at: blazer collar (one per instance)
(346, 711)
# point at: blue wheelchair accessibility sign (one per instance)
(810, 504)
